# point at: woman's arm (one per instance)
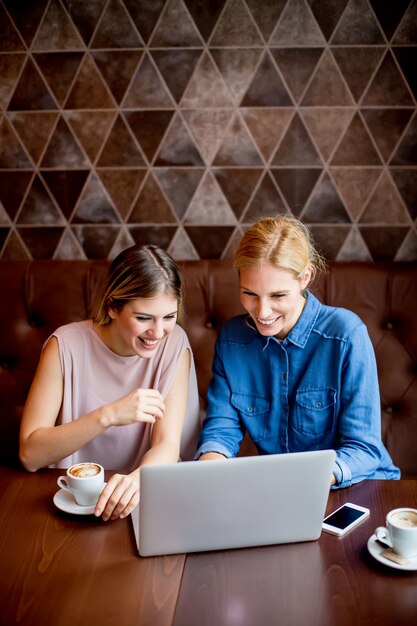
(360, 446)
(42, 443)
(121, 494)
(212, 456)
(222, 431)
(166, 433)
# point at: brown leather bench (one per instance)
(38, 296)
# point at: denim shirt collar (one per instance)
(300, 333)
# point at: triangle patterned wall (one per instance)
(179, 122)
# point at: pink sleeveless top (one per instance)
(94, 375)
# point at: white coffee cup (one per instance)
(400, 532)
(84, 481)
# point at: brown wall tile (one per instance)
(178, 122)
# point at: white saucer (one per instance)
(64, 501)
(375, 548)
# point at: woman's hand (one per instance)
(141, 405)
(119, 497)
(212, 456)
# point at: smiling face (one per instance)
(273, 298)
(140, 326)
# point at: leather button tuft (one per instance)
(389, 326)
(209, 325)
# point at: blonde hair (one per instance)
(282, 241)
(138, 272)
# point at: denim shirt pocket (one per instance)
(253, 411)
(315, 411)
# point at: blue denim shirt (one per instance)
(317, 389)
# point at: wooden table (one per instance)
(58, 569)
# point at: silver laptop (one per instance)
(247, 501)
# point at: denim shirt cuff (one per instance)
(342, 474)
(212, 446)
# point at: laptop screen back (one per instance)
(247, 501)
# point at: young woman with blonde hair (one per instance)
(120, 388)
(295, 374)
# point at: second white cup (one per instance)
(400, 532)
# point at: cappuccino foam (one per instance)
(405, 519)
(85, 470)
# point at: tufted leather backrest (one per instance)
(39, 296)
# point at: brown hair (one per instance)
(283, 241)
(138, 272)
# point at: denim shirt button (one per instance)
(318, 404)
(250, 409)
